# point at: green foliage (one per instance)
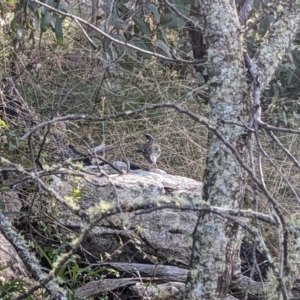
(155, 27)
(29, 16)
(152, 25)
(8, 290)
(73, 273)
(150, 28)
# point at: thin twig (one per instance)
(107, 21)
(245, 11)
(193, 116)
(223, 212)
(183, 17)
(35, 176)
(259, 163)
(279, 171)
(97, 73)
(85, 33)
(278, 129)
(281, 227)
(286, 151)
(256, 86)
(255, 206)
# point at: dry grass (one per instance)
(130, 85)
(125, 86)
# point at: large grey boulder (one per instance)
(162, 236)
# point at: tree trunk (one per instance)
(216, 239)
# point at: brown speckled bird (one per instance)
(151, 150)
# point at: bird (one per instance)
(151, 150)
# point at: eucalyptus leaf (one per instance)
(50, 2)
(162, 34)
(20, 5)
(142, 25)
(46, 20)
(62, 7)
(290, 66)
(182, 6)
(118, 23)
(13, 23)
(105, 58)
(154, 10)
(197, 3)
(32, 6)
(276, 93)
(186, 48)
(289, 76)
(36, 20)
(59, 32)
(296, 116)
(175, 23)
(284, 118)
(105, 6)
(199, 77)
(166, 18)
(161, 48)
(118, 37)
(257, 4)
(265, 24)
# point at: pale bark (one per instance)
(277, 40)
(215, 239)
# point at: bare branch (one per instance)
(286, 151)
(245, 11)
(193, 116)
(259, 163)
(270, 10)
(89, 118)
(29, 260)
(282, 235)
(35, 176)
(107, 21)
(86, 79)
(278, 129)
(86, 34)
(183, 17)
(279, 171)
(223, 212)
(256, 107)
(125, 44)
(277, 40)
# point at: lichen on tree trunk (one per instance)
(216, 239)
